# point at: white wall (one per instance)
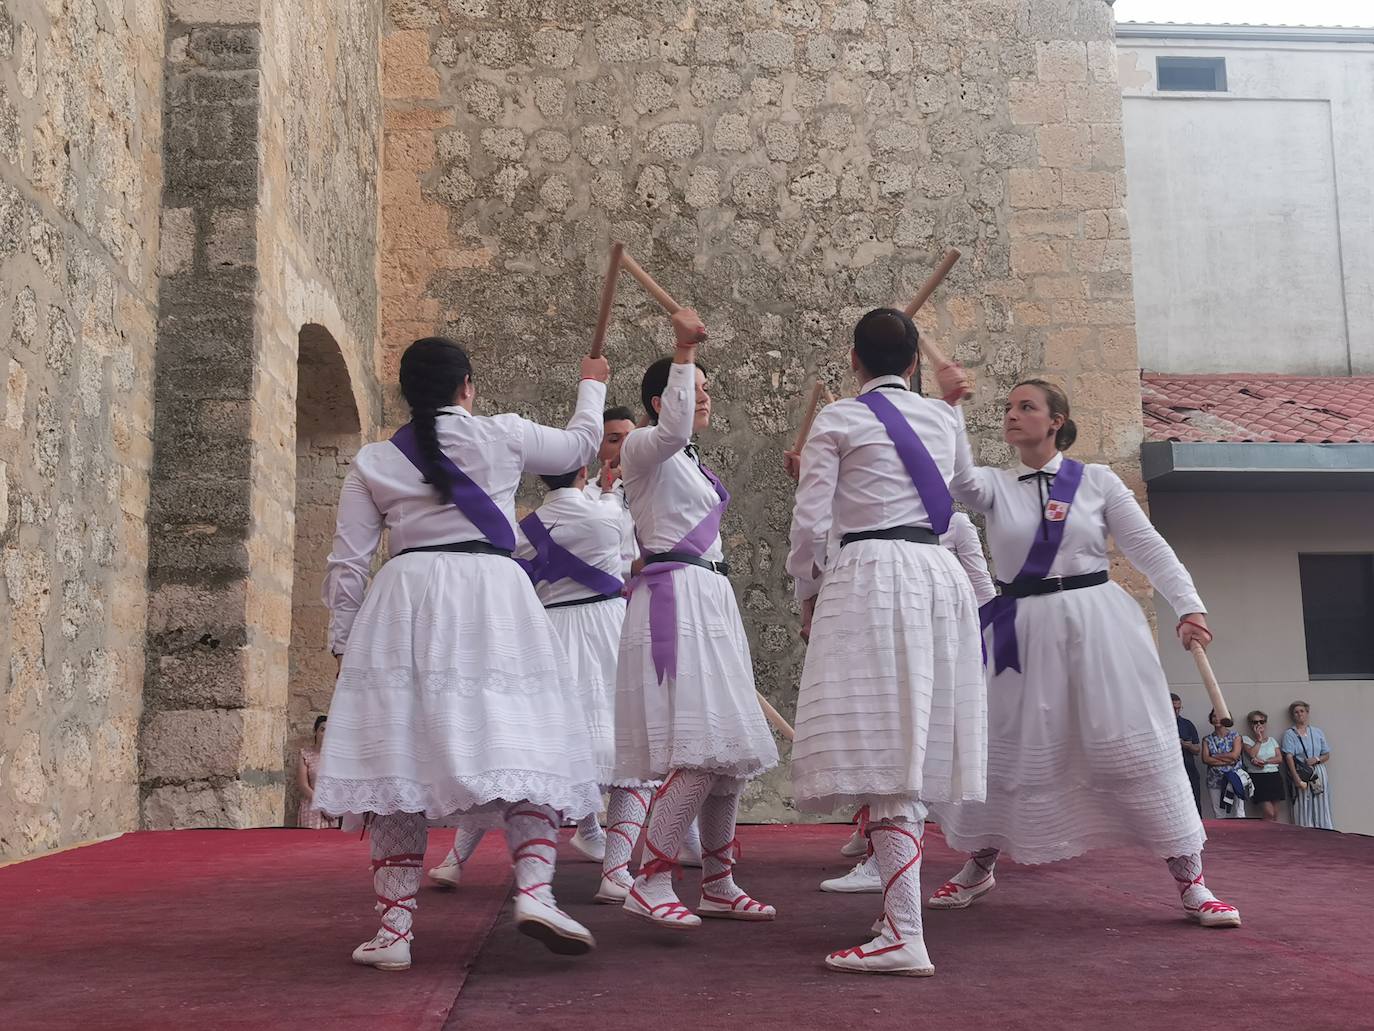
(1242, 550)
(1252, 211)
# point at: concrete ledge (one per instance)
(1173, 466)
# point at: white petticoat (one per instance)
(708, 717)
(892, 709)
(1083, 745)
(591, 641)
(454, 695)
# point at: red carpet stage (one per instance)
(252, 929)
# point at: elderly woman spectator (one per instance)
(1262, 759)
(1306, 754)
(1221, 754)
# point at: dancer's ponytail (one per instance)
(432, 371)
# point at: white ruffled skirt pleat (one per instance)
(1083, 744)
(591, 641)
(708, 717)
(892, 708)
(454, 696)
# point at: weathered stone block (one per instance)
(675, 140)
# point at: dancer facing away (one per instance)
(961, 540)
(892, 709)
(685, 704)
(1082, 739)
(453, 693)
(572, 547)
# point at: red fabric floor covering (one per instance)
(252, 929)
(1099, 943)
(229, 929)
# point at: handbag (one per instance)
(1307, 773)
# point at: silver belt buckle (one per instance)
(1058, 584)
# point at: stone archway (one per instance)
(328, 435)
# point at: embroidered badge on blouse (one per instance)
(1056, 511)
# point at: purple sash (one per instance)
(470, 499)
(553, 562)
(925, 474)
(1000, 612)
(658, 577)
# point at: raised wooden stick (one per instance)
(1209, 681)
(932, 281)
(774, 717)
(936, 356)
(664, 299)
(603, 317)
(804, 431)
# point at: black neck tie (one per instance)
(1043, 482)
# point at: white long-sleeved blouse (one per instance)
(667, 492)
(1104, 506)
(383, 490)
(852, 478)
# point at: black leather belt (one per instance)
(1051, 584)
(723, 568)
(460, 548)
(583, 601)
(914, 534)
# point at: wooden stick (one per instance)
(1209, 681)
(932, 281)
(774, 717)
(816, 390)
(936, 356)
(665, 301)
(603, 317)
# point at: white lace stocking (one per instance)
(675, 805)
(1187, 873)
(589, 828)
(897, 847)
(532, 834)
(465, 842)
(625, 816)
(398, 851)
(978, 868)
(719, 849)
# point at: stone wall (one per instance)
(782, 165)
(270, 217)
(80, 171)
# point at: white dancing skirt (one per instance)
(892, 708)
(591, 641)
(1083, 744)
(708, 716)
(454, 696)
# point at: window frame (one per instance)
(1368, 558)
(1217, 64)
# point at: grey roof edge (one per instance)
(1258, 33)
(1161, 458)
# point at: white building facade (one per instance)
(1250, 171)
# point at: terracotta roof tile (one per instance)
(1258, 408)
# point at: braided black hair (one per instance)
(433, 369)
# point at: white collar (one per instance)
(454, 410)
(1051, 467)
(563, 493)
(883, 381)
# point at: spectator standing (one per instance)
(1221, 753)
(1192, 748)
(1263, 760)
(1304, 747)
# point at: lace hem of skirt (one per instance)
(338, 796)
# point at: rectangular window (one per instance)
(1338, 615)
(1192, 74)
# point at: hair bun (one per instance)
(1067, 434)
